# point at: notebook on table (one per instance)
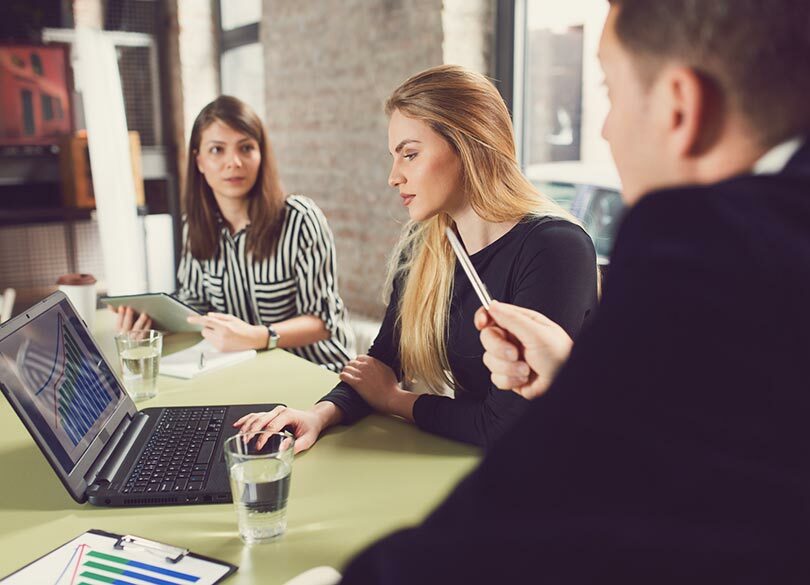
(201, 359)
(101, 447)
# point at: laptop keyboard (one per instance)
(177, 456)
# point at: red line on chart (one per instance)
(67, 566)
(83, 547)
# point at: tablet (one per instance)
(167, 313)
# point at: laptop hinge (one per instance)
(116, 450)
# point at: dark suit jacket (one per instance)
(674, 445)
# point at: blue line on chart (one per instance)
(62, 574)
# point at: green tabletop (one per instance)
(355, 485)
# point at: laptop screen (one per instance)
(59, 377)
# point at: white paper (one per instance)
(69, 564)
(122, 238)
(187, 363)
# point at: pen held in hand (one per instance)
(477, 284)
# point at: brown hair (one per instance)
(755, 51)
(265, 199)
(468, 112)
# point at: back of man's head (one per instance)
(756, 51)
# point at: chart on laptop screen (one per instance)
(58, 374)
(68, 390)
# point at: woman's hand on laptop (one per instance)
(305, 425)
(523, 348)
(229, 333)
(127, 319)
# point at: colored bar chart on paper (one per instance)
(113, 569)
(91, 559)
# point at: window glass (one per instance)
(563, 103)
(242, 74)
(47, 109)
(236, 13)
(562, 193)
(560, 106)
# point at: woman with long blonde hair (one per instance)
(454, 166)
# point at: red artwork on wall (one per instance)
(34, 95)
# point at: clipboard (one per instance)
(97, 556)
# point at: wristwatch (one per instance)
(272, 338)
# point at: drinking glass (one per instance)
(139, 353)
(260, 483)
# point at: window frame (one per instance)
(228, 40)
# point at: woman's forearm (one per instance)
(328, 414)
(301, 330)
(401, 404)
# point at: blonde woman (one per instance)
(454, 165)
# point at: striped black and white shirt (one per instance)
(300, 278)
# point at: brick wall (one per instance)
(469, 28)
(330, 65)
(199, 61)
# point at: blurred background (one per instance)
(317, 71)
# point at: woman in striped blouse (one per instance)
(259, 265)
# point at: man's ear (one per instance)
(688, 98)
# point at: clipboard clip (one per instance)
(172, 554)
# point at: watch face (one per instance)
(272, 338)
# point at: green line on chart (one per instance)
(106, 557)
(94, 565)
(105, 579)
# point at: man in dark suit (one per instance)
(673, 444)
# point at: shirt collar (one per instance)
(775, 160)
(225, 230)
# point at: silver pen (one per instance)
(477, 284)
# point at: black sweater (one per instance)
(673, 446)
(544, 264)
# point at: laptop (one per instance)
(102, 448)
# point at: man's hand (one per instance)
(229, 333)
(523, 348)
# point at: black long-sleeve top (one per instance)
(544, 264)
(672, 446)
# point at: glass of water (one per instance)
(260, 483)
(139, 353)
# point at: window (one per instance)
(36, 64)
(559, 103)
(241, 56)
(28, 112)
(47, 107)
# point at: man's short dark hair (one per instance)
(756, 51)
